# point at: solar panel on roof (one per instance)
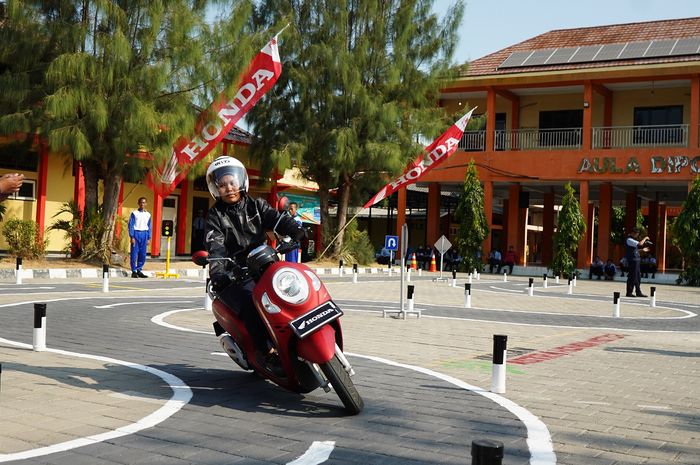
(515, 59)
(609, 52)
(538, 57)
(584, 54)
(634, 50)
(688, 46)
(660, 48)
(561, 55)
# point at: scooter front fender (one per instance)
(319, 346)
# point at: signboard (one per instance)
(309, 207)
(391, 243)
(443, 245)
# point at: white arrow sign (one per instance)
(317, 453)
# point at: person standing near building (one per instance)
(198, 225)
(510, 258)
(140, 234)
(9, 184)
(632, 246)
(293, 256)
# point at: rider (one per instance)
(237, 224)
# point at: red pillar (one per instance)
(488, 212)
(490, 119)
(583, 258)
(548, 229)
(43, 183)
(630, 211)
(513, 218)
(181, 236)
(605, 221)
(433, 216)
(400, 216)
(653, 221)
(661, 243)
(156, 216)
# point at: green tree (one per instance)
(361, 83)
(473, 226)
(570, 229)
(686, 236)
(105, 81)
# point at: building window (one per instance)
(26, 192)
(560, 128)
(658, 125)
(18, 157)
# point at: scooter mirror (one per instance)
(200, 258)
(283, 204)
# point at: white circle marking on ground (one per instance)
(181, 396)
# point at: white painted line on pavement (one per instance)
(538, 439)
(140, 303)
(181, 396)
(317, 453)
(160, 320)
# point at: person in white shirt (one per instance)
(140, 234)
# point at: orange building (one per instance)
(615, 110)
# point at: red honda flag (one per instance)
(437, 152)
(260, 76)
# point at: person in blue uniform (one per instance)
(140, 234)
(293, 256)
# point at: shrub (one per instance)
(357, 247)
(23, 239)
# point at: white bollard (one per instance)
(574, 280)
(478, 276)
(530, 287)
(409, 299)
(469, 279)
(39, 342)
(616, 304)
(652, 297)
(340, 268)
(544, 280)
(505, 276)
(420, 272)
(556, 279)
(571, 287)
(498, 375)
(105, 278)
(408, 274)
(467, 295)
(454, 278)
(354, 273)
(18, 271)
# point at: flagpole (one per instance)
(347, 223)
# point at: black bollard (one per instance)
(487, 452)
(39, 340)
(498, 375)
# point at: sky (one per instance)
(491, 25)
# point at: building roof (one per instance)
(588, 36)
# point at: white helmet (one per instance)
(226, 166)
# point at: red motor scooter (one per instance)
(302, 321)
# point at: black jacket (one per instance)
(233, 230)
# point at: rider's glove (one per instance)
(298, 235)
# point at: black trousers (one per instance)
(240, 298)
(634, 277)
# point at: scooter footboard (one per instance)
(319, 346)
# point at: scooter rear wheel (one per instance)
(343, 385)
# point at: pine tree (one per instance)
(686, 235)
(110, 80)
(570, 229)
(473, 226)
(361, 83)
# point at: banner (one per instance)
(309, 207)
(260, 76)
(437, 152)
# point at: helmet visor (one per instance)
(229, 178)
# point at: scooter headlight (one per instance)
(290, 285)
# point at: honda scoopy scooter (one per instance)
(302, 321)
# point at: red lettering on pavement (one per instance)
(567, 349)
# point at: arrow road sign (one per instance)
(391, 242)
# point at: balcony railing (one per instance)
(570, 138)
(674, 135)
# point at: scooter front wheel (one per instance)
(343, 385)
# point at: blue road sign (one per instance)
(391, 242)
